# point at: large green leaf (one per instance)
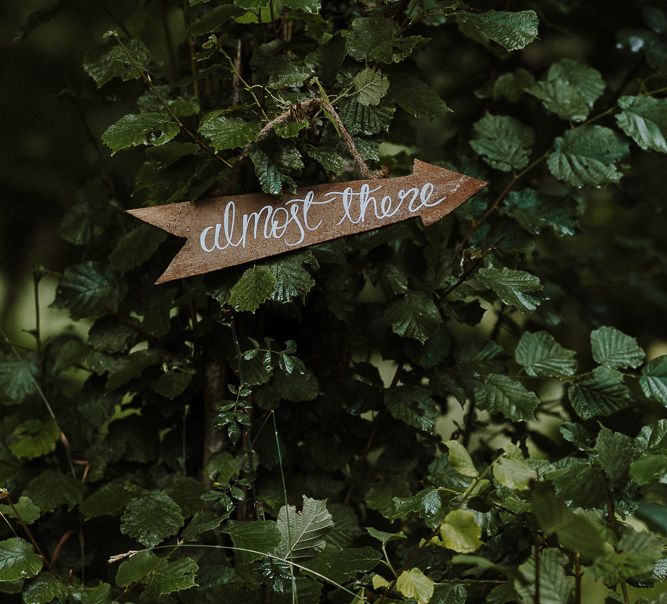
(413, 315)
(644, 119)
(151, 517)
(18, 560)
(512, 30)
(227, 132)
(371, 85)
(569, 90)
(503, 142)
(513, 287)
(614, 349)
(654, 379)
(140, 129)
(587, 156)
(17, 377)
(541, 356)
(302, 532)
(501, 394)
(255, 287)
(89, 290)
(603, 393)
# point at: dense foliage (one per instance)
(474, 411)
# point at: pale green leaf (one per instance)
(503, 142)
(644, 120)
(371, 85)
(513, 287)
(614, 349)
(140, 129)
(460, 532)
(569, 90)
(541, 356)
(587, 156)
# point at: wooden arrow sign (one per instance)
(231, 230)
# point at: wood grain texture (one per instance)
(235, 229)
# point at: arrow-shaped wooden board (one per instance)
(231, 230)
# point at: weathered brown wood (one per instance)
(231, 230)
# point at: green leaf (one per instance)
(415, 584)
(569, 90)
(413, 406)
(416, 97)
(88, 290)
(302, 533)
(51, 489)
(257, 535)
(615, 453)
(644, 120)
(24, 507)
(413, 315)
(227, 132)
(135, 247)
(503, 142)
(460, 459)
(541, 356)
(555, 587)
(133, 130)
(512, 287)
(512, 471)
(151, 517)
(34, 438)
(371, 85)
(113, 63)
(17, 377)
(292, 279)
(614, 349)
(460, 532)
(254, 288)
(512, 30)
(44, 589)
(603, 393)
(654, 379)
(501, 394)
(18, 560)
(587, 156)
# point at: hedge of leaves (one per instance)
(459, 413)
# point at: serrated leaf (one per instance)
(416, 97)
(413, 315)
(513, 287)
(587, 156)
(257, 535)
(254, 288)
(555, 587)
(371, 85)
(227, 132)
(34, 438)
(512, 30)
(114, 63)
(460, 532)
(569, 90)
(503, 142)
(644, 120)
(413, 406)
(302, 533)
(415, 584)
(151, 517)
(17, 377)
(88, 290)
(51, 489)
(603, 393)
(653, 381)
(133, 130)
(614, 349)
(541, 356)
(460, 459)
(502, 394)
(18, 560)
(44, 589)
